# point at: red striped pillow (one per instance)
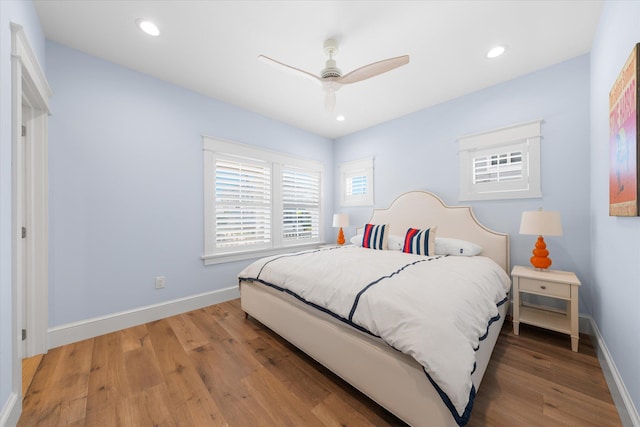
(375, 236)
(420, 242)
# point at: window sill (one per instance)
(222, 258)
(501, 195)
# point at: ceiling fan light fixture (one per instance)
(148, 27)
(496, 51)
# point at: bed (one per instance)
(393, 379)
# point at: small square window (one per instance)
(501, 164)
(356, 183)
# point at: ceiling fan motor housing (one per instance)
(330, 70)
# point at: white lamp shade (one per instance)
(541, 223)
(340, 220)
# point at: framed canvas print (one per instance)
(623, 140)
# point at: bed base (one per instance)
(390, 378)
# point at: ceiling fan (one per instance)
(331, 78)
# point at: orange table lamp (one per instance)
(538, 223)
(340, 220)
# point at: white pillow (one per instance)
(394, 243)
(448, 246)
(357, 240)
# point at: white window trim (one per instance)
(525, 137)
(211, 146)
(348, 168)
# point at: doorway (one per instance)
(31, 252)
(29, 112)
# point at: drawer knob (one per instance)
(543, 287)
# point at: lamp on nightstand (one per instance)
(538, 223)
(340, 220)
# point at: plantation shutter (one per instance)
(242, 203)
(357, 183)
(500, 167)
(300, 205)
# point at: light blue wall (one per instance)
(125, 179)
(126, 185)
(420, 152)
(21, 13)
(615, 241)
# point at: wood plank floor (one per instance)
(211, 367)
(29, 368)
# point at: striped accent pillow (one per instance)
(375, 236)
(420, 242)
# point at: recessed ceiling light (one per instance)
(148, 27)
(494, 52)
(340, 118)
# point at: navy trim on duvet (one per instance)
(292, 254)
(460, 420)
(375, 282)
(314, 305)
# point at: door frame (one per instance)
(31, 91)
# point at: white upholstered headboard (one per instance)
(421, 209)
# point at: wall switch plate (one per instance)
(160, 282)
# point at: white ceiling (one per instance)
(211, 47)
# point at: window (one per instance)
(258, 201)
(501, 167)
(242, 202)
(501, 164)
(301, 205)
(356, 183)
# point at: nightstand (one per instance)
(562, 285)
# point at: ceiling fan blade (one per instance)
(373, 70)
(290, 69)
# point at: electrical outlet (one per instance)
(160, 282)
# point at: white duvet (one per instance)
(436, 309)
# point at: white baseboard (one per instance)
(627, 410)
(584, 324)
(78, 331)
(10, 411)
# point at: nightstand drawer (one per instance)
(540, 287)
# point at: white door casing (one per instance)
(30, 105)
